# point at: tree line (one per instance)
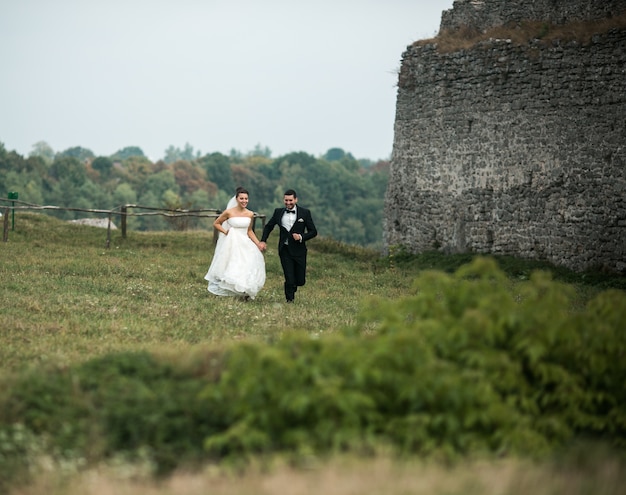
(346, 195)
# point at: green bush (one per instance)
(560, 368)
(19, 451)
(125, 403)
(467, 363)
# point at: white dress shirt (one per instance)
(289, 219)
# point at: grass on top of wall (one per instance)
(521, 33)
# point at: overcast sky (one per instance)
(288, 75)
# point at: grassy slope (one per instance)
(66, 297)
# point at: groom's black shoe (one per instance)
(290, 300)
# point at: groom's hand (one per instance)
(262, 246)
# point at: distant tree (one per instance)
(189, 154)
(381, 166)
(103, 165)
(159, 166)
(298, 157)
(326, 176)
(218, 171)
(189, 178)
(124, 194)
(173, 201)
(350, 230)
(371, 215)
(158, 183)
(350, 163)
(219, 201)
(68, 169)
(151, 222)
(12, 160)
(43, 150)
(260, 187)
(32, 191)
(65, 192)
(270, 169)
(235, 154)
(35, 165)
(334, 154)
(27, 184)
(78, 152)
(93, 196)
(27, 177)
(379, 177)
(171, 154)
(135, 170)
(256, 161)
(127, 152)
(174, 154)
(198, 199)
(306, 189)
(259, 150)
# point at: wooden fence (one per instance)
(122, 211)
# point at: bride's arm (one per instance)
(252, 235)
(219, 221)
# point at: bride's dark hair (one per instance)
(240, 190)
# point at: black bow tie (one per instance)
(290, 211)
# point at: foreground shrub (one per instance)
(562, 369)
(467, 363)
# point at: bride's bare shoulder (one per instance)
(235, 212)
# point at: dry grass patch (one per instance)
(466, 38)
(350, 477)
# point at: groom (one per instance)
(296, 227)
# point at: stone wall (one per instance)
(484, 14)
(512, 149)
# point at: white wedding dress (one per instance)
(238, 267)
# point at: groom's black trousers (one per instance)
(294, 269)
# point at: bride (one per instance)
(238, 266)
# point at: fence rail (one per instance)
(122, 211)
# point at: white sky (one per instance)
(290, 75)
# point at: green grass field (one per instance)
(66, 299)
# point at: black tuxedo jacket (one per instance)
(303, 225)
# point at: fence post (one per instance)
(109, 232)
(123, 220)
(13, 195)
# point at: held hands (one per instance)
(263, 246)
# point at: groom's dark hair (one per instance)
(291, 192)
